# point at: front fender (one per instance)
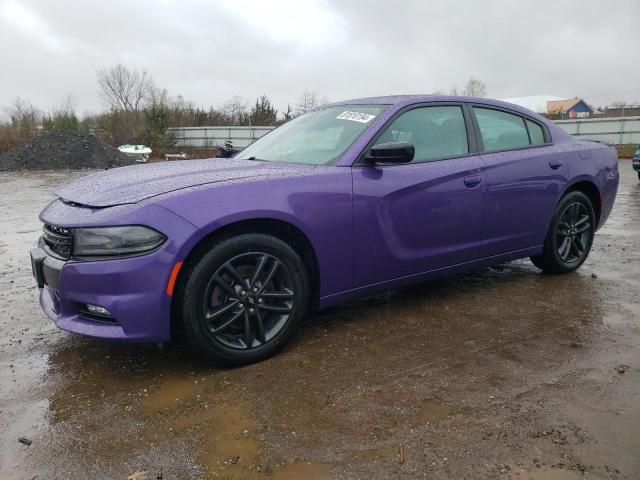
(317, 204)
(219, 223)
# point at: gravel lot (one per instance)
(499, 373)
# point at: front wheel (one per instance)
(243, 299)
(570, 235)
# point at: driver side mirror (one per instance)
(391, 152)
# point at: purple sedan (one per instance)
(351, 199)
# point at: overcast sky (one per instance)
(210, 50)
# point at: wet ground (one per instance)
(499, 373)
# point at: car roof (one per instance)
(404, 100)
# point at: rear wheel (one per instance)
(243, 299)
(570, 235)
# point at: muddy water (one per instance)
(499, 373)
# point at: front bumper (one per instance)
(132, 289)
(635, 163)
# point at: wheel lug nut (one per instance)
(251, 310)
(243, 293)
(255, 290)
(259, 300)
(241, 305)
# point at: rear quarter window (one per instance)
(536, 134)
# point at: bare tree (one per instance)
(124, 89)
(621, 104)
(309, 100)
(63, 115)
(66, 106)
(624, 108)
(23, 115)
(236, 111)
(474, 88)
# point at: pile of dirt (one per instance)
(61, 150)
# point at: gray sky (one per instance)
(208, 51)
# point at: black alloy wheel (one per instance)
(248, 300)
(242, 298)
(573, 232)
(570, 236)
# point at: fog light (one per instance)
(98, 310)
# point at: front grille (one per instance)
(58, 241)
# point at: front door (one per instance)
(423, 215)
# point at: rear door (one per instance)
(426, 214)
(523, 179)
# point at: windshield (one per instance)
(315, 138)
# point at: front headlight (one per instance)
(115, 241)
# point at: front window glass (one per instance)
(435, 132)
(315, 138)
(501, 130)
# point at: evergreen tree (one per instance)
(263, 112)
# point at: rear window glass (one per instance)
(501, 130)
(535, 133)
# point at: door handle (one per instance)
(555, 164)
(472, 181)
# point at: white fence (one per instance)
(207, 137)
(615, 130)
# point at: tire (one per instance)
(570, 235)
(242, 299)
(638, 174)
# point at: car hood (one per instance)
(138, 182)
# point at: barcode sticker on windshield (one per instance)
(356, 117)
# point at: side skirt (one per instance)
(337, 298)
